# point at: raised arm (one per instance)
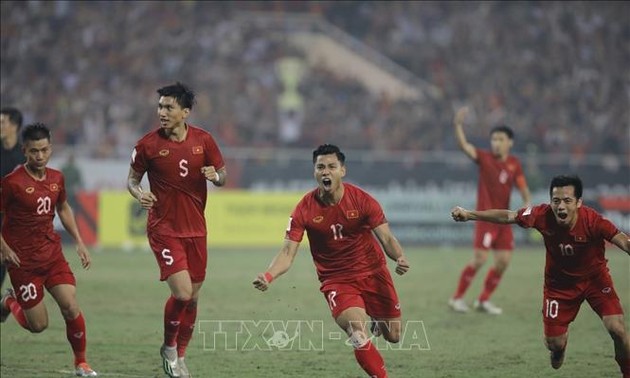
(146, 199)
(279, 265)
(460, 214)
(66, 215)
(392, 247)
(458, 123)
(622, 241)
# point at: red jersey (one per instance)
(340, 236)
(572, 254)
(174, 171)
(496, 179)
(29, 209)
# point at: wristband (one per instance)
(268, 277)
(218, 177)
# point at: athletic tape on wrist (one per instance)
(268, 277)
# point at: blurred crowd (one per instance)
(556, 72)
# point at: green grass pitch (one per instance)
(122, 301)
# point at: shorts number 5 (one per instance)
(168, 259)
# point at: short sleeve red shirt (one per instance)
(496, 180)
(29, 208)
(174, 172)
(340, 236)
(572, 254)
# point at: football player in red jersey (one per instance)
(575, 268)
(179, 159)
(32, 249)
(341, 221)
(498, 173)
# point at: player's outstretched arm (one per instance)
(392, 247)
(7, 255)
(460, 214)
(622, 241)
(279, 265)
(146, 199)
(66, 215)
(458, 123)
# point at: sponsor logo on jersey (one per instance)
(30, 190)
(174, 323)
(318, 219)
(352, 214)
(54, 187)
(164, 152)
(580, 238)
(397, 307)
(197, 150)
(78, 335)
(606, 290)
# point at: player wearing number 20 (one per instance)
(32, 250)
(341, 221)
(179, 159)
(575, 268)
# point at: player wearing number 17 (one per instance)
(575, 268)
(179, 159)
(32, 249)
(341, 221)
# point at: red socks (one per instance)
(490, 284)
(172, 318)
(75, 332)
(464, 281)
(17, 312)
(186, 327)
(370, 360)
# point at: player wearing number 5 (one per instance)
(341, 220)
(179, 159)
(575, 268)
(32, 249)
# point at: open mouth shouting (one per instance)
(327, 183)
(563, 216)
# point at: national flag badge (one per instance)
(30, 190)
(164, 152)
(352, 214)
(54, 187)
(580, 238)
(318, 219)
(197, 150)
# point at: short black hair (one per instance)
(184, 96)
(328, 149)
(15, 116)
(567, 180)
(503, 129)
(35, 131)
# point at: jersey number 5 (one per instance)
(183, 166)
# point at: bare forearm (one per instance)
(134, 187)
(393, 249)
(222, 175)
(493, 216)
(66, 215)
(281, 263)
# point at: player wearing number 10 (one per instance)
(32, 250)
(575, 267)
(341, 221)
(179, 159)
